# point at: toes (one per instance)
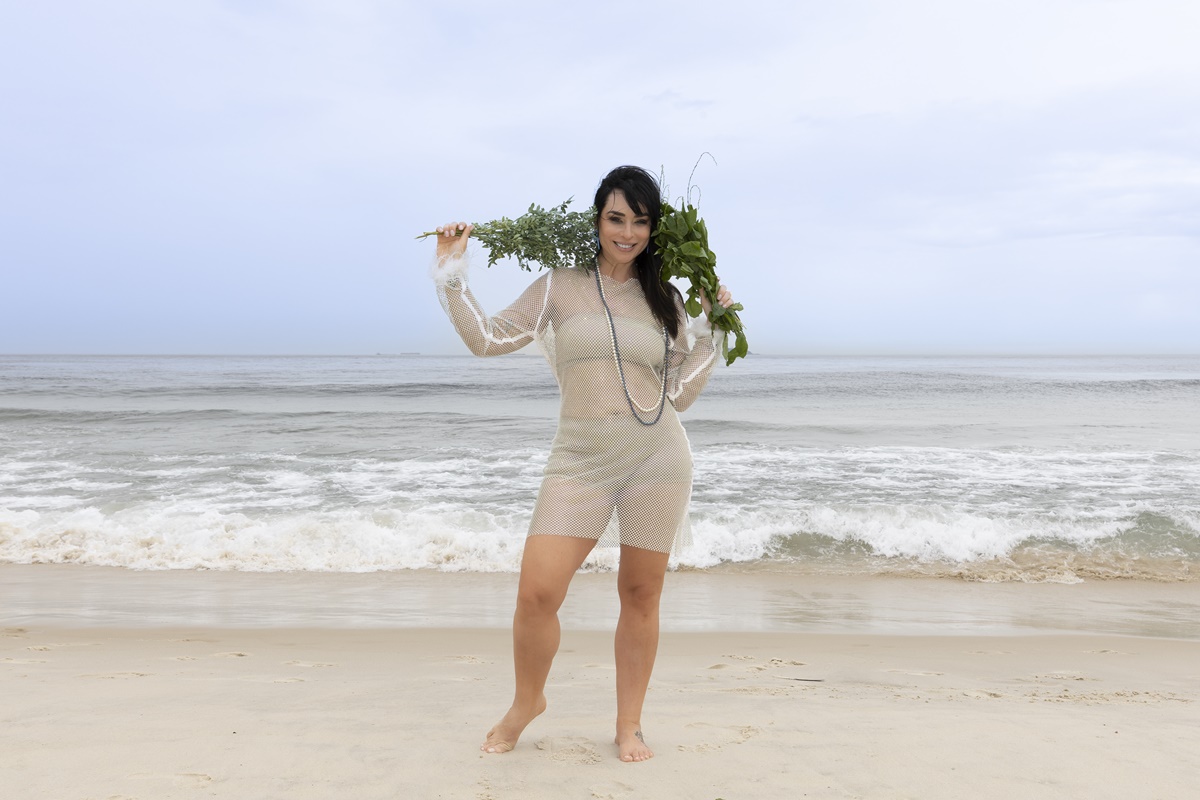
(491, 745)
(637, 754)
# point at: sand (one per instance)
(99, 712)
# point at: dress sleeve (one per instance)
(510, 330)
(693, 357)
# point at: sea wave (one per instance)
(903, 540)
(977, 469)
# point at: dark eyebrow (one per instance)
(622, 213)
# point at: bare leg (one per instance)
(639, 583)
(547, 566)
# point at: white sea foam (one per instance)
(990, 470)
(349, 541)
(455, 538)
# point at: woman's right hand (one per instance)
(452, 239)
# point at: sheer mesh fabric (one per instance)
(606, 471)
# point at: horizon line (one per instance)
(532, 353)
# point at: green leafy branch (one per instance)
(681, 240)
(556, 237)
(551, 238)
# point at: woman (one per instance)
(625, 363)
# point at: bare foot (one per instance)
(631, 744)
(503, 737)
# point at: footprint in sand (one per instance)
(1065, 676)
(185, 780)
(469, 660)
(44, 648)
(740, 734)
(193, 780)
(308, 664)
(230, 655)
(917, 672)
(611, 791)
(770, 691)
(16, 633)
(745, 733)
(572, 749)
(775, 663)
(1108, 652)
(118, 676)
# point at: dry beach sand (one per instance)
(101, 712)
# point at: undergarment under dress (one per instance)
(607, 473)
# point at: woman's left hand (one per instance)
(723, 297)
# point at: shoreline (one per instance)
(76, 596)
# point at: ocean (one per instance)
(1017, 469)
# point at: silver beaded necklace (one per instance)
(612, 329)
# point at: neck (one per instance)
(618, 272)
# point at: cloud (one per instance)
(924, 175)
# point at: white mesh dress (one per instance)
(605, 466)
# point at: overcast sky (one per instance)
(892, 176)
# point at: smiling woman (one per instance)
(612, 330)
(623, 233)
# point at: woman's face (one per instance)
(623, 233)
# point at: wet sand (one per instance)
(724, 600)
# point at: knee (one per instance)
(539, 600)
(641, 596)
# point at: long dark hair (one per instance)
(645, 198)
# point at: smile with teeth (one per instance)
(624, 246)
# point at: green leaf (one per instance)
(557, 237)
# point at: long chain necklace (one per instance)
(612, 329)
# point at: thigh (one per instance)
(650, 513)
(571, 508)
(547, 566)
